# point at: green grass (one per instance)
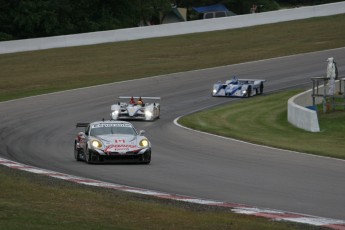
(30, 201)
(263, 120)
(33, 202)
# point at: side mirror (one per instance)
(141, 132)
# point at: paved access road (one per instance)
(40, 131)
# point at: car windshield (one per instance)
(109, 130)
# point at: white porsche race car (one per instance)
(238, 88)
(136, 108)
(104, 141)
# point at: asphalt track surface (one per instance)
(40, 131)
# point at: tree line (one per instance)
(21, 19)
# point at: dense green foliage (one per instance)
(306, 2)
(21, 19)
(236, 6)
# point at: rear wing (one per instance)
(155, 100)
(82, 125)
(250, 81)
(149, 98)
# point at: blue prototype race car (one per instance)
(238, 88)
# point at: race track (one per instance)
(40, 131)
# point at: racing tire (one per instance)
(249, 93)
(77, 153)
(146, 158)
(261, 88)
(88, 156)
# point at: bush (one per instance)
(5, 37)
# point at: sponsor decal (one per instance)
(110, 125)
(119, 147)
(233, 89)
(119, 141)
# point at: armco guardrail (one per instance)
(172, 28)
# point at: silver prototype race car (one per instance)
(136, 108)
(105, 141)
(238, 88)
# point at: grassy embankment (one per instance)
(42, 203)
(250, 121)
(30, 201)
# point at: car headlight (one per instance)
(148, 113)
(244, 91)
(144, 143)
(96, 144)
(214, 91)
(114, 114)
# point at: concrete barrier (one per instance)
(172, 28)
(299, 115)
(302, 117)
